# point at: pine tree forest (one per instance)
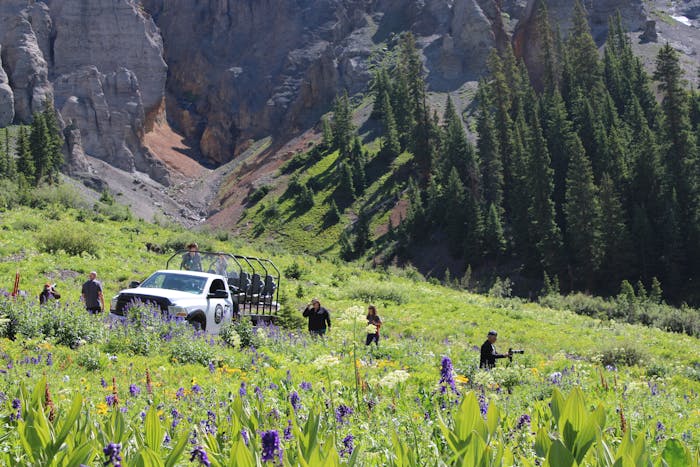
(591, 178)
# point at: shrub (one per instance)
(26, 224)
(376, 292)
(245, 330)
(294, 271)
(61, 196)
(191, 350)
(623, 354)
(258, 194)
(65, 237)
(229, 335)
(90, 358)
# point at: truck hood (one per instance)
(173, 295)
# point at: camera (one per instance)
(516, 351)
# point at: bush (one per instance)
(26, 224)
(60, 196)
(377, 291)
(91, 359)
(245, 330)
(229, 335)
(627, 354)
(294, 271)
(191, 350)
(65, 237)
(258, 194)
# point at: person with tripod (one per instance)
(489, 353)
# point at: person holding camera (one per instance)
(319, 318)
(49, 293)
(373, 325)
(489, 353)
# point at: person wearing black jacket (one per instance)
(49, 293)
(319, 318)
(488, 352)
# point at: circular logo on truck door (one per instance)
(218, 314)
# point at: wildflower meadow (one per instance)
(78, 389)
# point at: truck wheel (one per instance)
(199, 323)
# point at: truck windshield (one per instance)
(171, 281)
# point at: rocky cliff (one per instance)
(226, 72)
(99, 62)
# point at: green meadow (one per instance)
(78, 389)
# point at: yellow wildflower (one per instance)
(461, 379)
(102, 408)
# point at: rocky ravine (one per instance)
(228, 72)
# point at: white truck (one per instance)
(231, 285)
(201, 298)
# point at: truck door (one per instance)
(219, 310)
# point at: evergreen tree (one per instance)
(380, 86)
(391, 145)
(560, 134)
(25, 161)
(458, 153)
(494, 239)
(542, 224)
(333, 214)
(40, 144)
(489, 154)
(342, 126)
(346, 251)
(362, 234)
(403, 110)
(327, 133)
(615, 237)
(358, 159)
(454, 212)
(55, 147)
(582, 209)
(582, 51)
(346, 188)
(414, 227)
(550, 60)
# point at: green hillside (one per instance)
(386, 402)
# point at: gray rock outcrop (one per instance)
(7, 104)
(109, 112)
(26, 68)
(110, 34)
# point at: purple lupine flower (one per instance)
(176, 418)
(16, 404)
(610, 367)
(660, 426)
(212, 368)
(483, 404)
(295, 400)
(271, 447)
(288, 431)
(274, 413)
(653, 388)
(245, 436)
(166, 439)
(342, 412)
(447, 376)
(348, 446)
(289, 375)
(242, 391)
(273, 386)
(200, 455)
(134, 390)
(258, 392)
(210, 423)
(180, 393)
(111, 452)
(110, 399)
(142, 414)
(555, 378)
(523, 421)
(196, 389)
(306, 386)
(103, 383)
(49, 359)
